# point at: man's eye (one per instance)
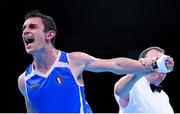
(32, 26)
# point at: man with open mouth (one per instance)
(54, 81)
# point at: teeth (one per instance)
(27, 37)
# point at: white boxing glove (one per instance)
(161, 64)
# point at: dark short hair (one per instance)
(144, 53)
(48, 22)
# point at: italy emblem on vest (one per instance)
(59, 79)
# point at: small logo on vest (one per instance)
(59, 80)
(35, 85)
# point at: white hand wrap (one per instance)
(161, 63)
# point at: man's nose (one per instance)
(25, 33)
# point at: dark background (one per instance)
(102, 28)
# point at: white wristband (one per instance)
(161, 63)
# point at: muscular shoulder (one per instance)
(21, 84)
(80, 57)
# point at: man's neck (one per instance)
(44, 60)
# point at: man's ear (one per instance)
(50, 34)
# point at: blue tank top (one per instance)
(56, 91)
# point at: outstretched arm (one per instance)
(81, 61)
(117, 66)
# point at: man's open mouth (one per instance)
(28, 40)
